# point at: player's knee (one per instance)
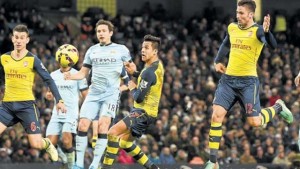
(103, 126)
(217, 117)
(67, 142)
(36, 144)
(83, 125)
(112, 132)
(254, 121)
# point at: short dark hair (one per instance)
(21, 28)
(105, 22)
(155, 41)
(249, 3)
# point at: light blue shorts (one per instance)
(57, 128)
(97, 106)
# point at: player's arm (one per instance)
(222, 53)
(42, 71)
(148, 79)
(81, 74)
(124, 76)
(266, 38)
(264, 35)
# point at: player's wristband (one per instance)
(61, 101)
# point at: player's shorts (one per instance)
(24, 112)
(57, 128)
(138, 121)
(95, 105)
(245, 90)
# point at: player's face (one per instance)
(20, 40)
(147, 51)
(103, 34)
(244, 16)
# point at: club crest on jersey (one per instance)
(250, 33)
(25, 64)
(113, 52)
(143, 84)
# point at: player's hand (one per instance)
(67, 75)
(123, 88)
(266, 24)
(49, 95)
(131, 85)
(61, 107)
(130, 67)
(297, 80)
(220, 68)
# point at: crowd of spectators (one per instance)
(180, 134)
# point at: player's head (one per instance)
(245, 12)
(20, 37)
(150, 47)
(104, 31)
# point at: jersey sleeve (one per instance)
(42, 71)
(126, 55)
(224, 50)
(148, 78)
(124, 76)
(87, 62)
(266, 37)
(83, 84)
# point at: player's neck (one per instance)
(19, 54)
(251, 23)
(65, 69)
(152, 60)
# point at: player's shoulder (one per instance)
(55, 72)
(73, 70)
(120, 46)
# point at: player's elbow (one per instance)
(139, 100)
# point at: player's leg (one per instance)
(112, 148)
(6, 117)
(138, 123)
(251, 104)
(224, 100)
(29, 115)
(95, 132)
(69, 130)
(107, 113)
(101, 143)
(88, 112)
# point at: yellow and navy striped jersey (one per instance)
(19, 77)
(245, 47)
(148, 93)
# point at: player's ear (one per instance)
(28, 39)
(251, 15)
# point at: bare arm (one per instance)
(83, 73)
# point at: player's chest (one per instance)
(64, 84)
(105, 57)
(17, 67)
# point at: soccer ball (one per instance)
(67, 55)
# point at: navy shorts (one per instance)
(245, 90)
(138, 121)
(24, 112)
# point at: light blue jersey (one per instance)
(70, 93)
(106, 63)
